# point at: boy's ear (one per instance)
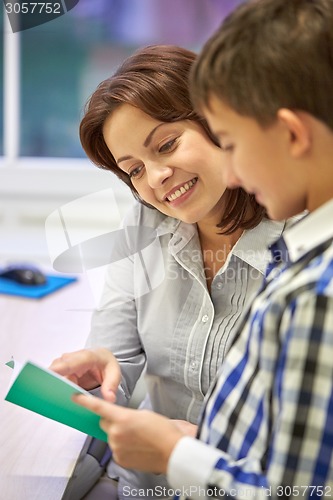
(298, 130)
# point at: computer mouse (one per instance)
(25, 275)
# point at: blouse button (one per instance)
(205, 318)
(219, 285)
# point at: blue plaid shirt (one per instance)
(268, 418)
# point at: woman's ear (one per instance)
(298, 129)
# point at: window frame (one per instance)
(36, 176)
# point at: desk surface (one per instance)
(37, 455)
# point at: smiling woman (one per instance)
(171, 308)
(153, 81)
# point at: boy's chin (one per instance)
(279, 214)
(274, 213)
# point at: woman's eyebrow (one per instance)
(151, 134)
(146, 142)
(124, 158)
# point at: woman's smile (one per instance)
(179, 192)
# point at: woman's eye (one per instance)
(227, 148)
(168, 146)
(136, 172)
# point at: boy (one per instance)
(264, 81)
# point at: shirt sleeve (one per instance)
(190, 466)
(197, 470)
(298, 460)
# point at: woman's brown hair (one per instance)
(155, 80)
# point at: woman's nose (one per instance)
(157, 174)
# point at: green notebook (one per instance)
(49, 394)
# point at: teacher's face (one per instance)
(174, 167)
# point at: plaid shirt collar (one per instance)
(305, 235)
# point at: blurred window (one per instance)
(62, 61)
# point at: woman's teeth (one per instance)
(182, 190)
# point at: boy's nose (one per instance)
(230, 179)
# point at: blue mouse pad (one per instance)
(53, 283)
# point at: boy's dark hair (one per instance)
(269, 54)
(155, 80)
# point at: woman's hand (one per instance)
(90, 368)
(139, 439)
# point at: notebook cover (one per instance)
(47, 393)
